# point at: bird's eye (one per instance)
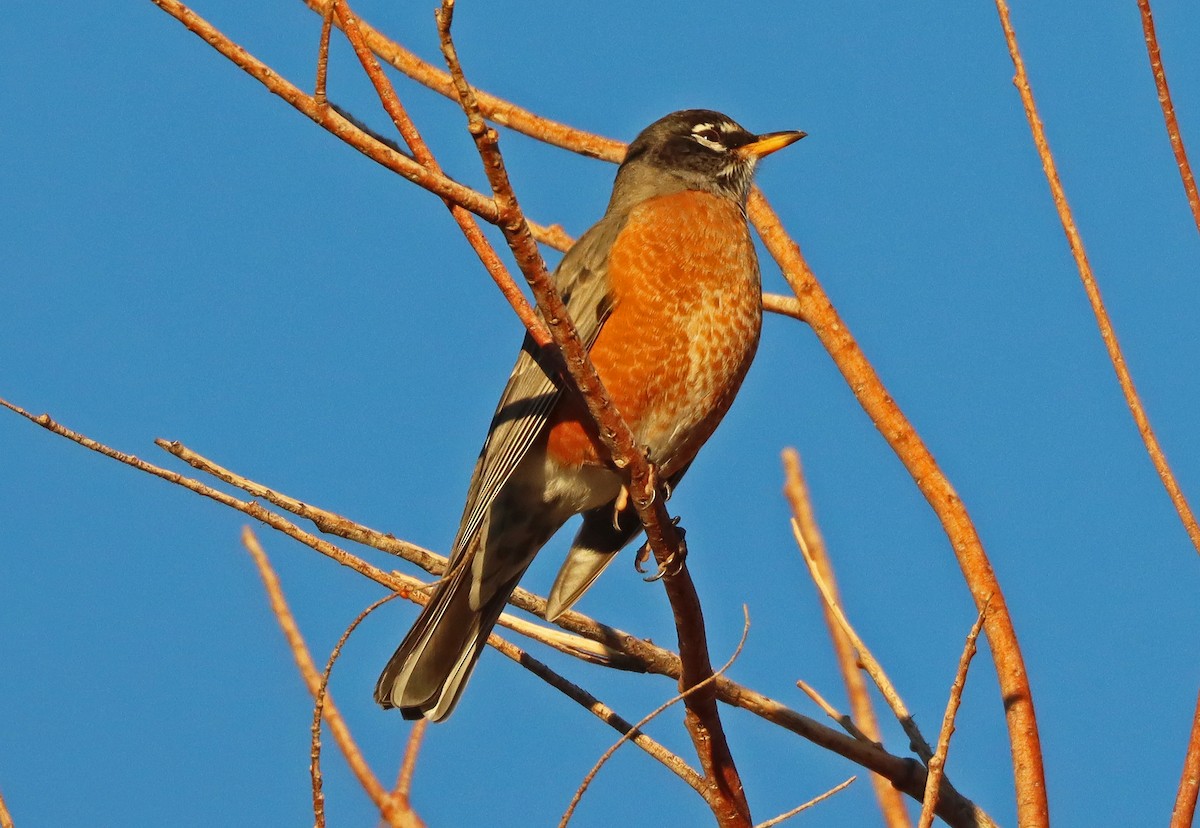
(708, 136)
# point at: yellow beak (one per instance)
(766, 144)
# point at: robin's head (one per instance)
(696, 149)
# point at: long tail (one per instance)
(428, 672)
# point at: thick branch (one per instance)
(827, 324)
(1189, 782)
(702, 716)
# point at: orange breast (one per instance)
(687, 312)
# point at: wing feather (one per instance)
(532, 389)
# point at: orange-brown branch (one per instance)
(937, 763)
(420, 150)
(862, 713)
(1184, 811)
(308, 671)
(702, 715)
(1168, 110)
(1092, 288)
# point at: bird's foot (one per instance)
(672, 566)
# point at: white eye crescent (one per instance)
(708, 135)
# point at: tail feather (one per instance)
(427, 673)
(600, 538)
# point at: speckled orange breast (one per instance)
(686, 318)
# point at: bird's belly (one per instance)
(687, 400)
(686, 318)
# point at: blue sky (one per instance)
(187, 257)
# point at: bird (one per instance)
(665, 292)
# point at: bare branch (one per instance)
(308, 671)
(869, 662)
(707, 791)
(1184, 811)
(806, 805)
(890, 803)
(703, 718)
(1021, 81)
(637, 654)
(409, 765)
(1168, 110)
(937, 763)
(319, 709)
(847, 723)
(319, 88)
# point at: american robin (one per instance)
(665, 292)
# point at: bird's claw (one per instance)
(619, 506)
(671, 567)
(639, 560)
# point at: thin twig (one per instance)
(412, 137)
(806, 805)
(847, 723)
(796, 489)
(319, 709)
(639, 654)
(707, 791)
(1021, 81)
(937, 764)
(319, 88)
(409, 765)
(1184, 811)
(869, 662)
(308, 671)
(1168, 110)
(603, 712)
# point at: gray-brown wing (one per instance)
(582, 279)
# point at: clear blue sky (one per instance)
(187, 257)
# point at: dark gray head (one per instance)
(694, 149)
